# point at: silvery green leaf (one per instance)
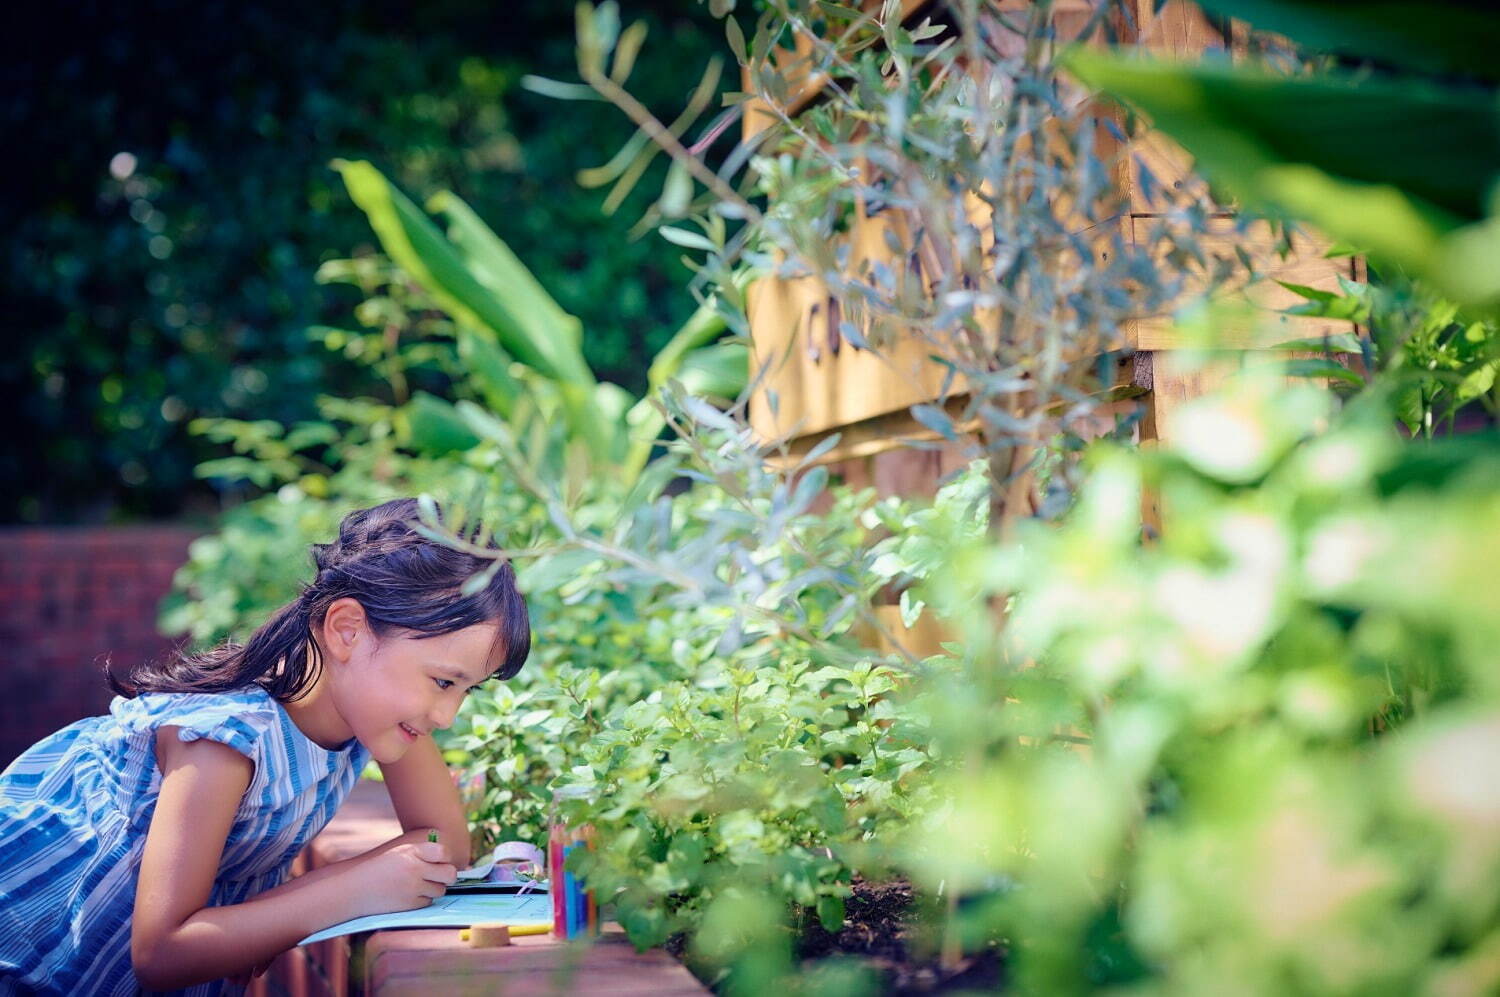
(911, 609)
(823, 446)
(852, 333)
(686, 238)
(935, 419)
(558, 89)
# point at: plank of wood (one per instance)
(1258, 326)
(1179, 30)
(1177, 379)
(924, 638)
(815, 387)
(438, 963)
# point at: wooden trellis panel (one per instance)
(819, 380)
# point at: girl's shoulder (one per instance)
(239, 718)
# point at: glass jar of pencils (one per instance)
(574, 911)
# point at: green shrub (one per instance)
(1318, 581)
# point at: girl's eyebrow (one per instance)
(459, 674)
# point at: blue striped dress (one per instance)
(75, 808)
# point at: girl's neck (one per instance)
(318, 718)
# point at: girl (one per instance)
(150, 848)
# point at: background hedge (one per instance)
(177, 280)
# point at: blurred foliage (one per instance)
(1231, 818)
(175, 201)
(1395, 149)
(1440, 363)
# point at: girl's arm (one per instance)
(176, 941)
(423, 793)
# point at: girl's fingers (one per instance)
(440, 872)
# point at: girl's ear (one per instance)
(344, 626)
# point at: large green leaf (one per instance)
(489, 369)
(702, 327)
(498, 268)
(717, 371)
(534, 335)
(1435, 36)
(1439, 145)
(515, 310)
(434, 427)
(644, 421)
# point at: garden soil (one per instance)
(880, 929)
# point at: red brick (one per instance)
(101, 587)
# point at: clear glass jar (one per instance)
(574, 910)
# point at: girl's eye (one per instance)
(443, 684)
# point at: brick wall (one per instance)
(69, 597)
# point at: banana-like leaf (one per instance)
(515, 312)
(720, 371)
(489, 368)
(483, 286)
(501, 270)
(1403, 169)
(435, 427)
(1435, 36)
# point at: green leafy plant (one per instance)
(1182, 782)
(503, 317)
(1437, 361)
(1259, 748)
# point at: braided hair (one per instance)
(404, 581)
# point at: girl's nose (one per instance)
(442, 715)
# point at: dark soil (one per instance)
(880, 930)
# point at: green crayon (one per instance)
(432, 836)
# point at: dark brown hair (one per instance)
(404, 580)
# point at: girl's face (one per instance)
(394, 689)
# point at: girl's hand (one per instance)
(405, 877)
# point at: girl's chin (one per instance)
(389, 747)
(392, 751)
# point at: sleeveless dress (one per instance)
(75, 808)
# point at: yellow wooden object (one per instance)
(495, 935)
